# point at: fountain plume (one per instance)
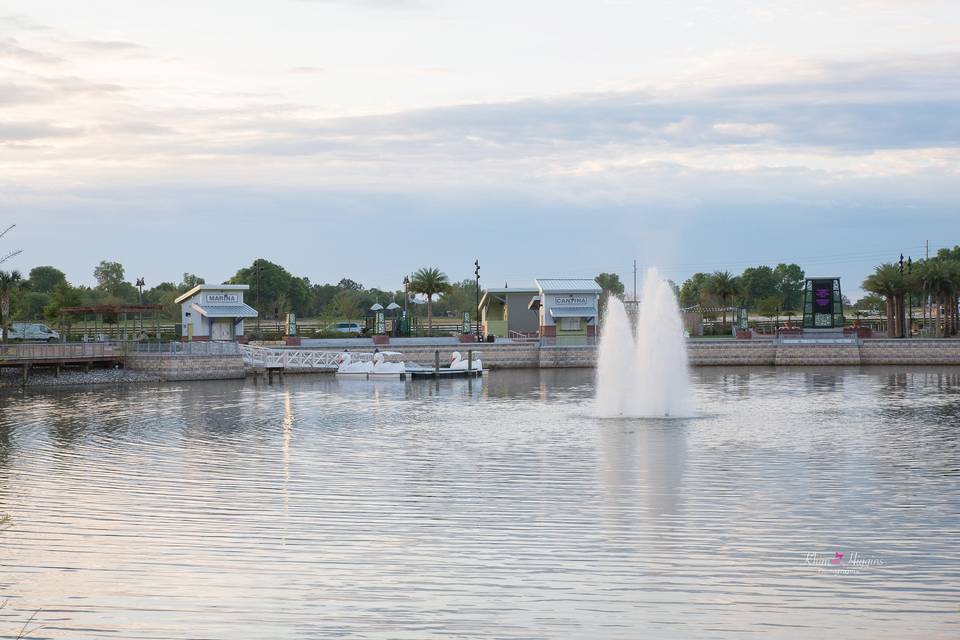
(644, 375)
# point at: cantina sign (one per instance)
(570, 301)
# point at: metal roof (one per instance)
(568, 285)
(212, 287)
(226, 310)
(573, 312)
(499, 291)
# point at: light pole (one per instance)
(140, 285)
(909, 298)
(900, 317)
(476, 272)
(406, 299)
(259, 310)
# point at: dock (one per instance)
(56, 356)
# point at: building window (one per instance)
(569, 324)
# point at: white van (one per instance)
(32, 332)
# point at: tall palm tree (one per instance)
(940, 280)
(723, 286)
(887, 281)
(429, 281)
(10, 282)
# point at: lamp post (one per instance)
(140, 285)
(476, 272)
(259, 310)
(406, 299)
(900, 317)
(909, 299)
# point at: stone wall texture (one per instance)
(519, 356)
(187, 367)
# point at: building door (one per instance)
(221, 329)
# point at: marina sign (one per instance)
(222, 298)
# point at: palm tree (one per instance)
(10, 283)
(940, 279)
(429, 281)
(887, 281)
(723, 286)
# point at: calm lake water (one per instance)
(495, 509)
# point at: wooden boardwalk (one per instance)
(58, 355)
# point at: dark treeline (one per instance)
(763, 289)
(43, 292)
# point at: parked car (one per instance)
(344, 327)
(32, 332)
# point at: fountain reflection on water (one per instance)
(644, 375)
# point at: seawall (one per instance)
(704, 353)
(187, 367)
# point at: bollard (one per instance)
(469, 361)
(436, 363)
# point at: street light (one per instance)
(476, 272)
(140, 285)
(406, 299)
(909, 299)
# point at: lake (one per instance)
(799, 503)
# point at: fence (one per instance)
(184, 348)
(60, 351)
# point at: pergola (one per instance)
(101, 310)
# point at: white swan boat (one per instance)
(459, 364)
(383, 369)
(348, 366)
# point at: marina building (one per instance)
(214, 312)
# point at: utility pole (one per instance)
(634, 280)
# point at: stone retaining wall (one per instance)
(187, 367)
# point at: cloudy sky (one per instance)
(366, 138)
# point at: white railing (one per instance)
(254, 356)
(520, 336)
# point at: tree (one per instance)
(11, 282)
(346, 304)
(693, 290)
(459, 297)
(790, 280)
(189, 281)
(610, 285)
(869, 302)
(429, 281)
(109, 276)
(63, 296)
(45, 279)
(887, 281)
(758, 283)
(349, 285)
(723, 286)
(271, 284)
(769, 307)
(941, 279)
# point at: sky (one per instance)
(368, 138)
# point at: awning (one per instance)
(573, 312)
(225, 311)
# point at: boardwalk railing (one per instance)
(199, 348)
(254, 356)
(60, 351)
